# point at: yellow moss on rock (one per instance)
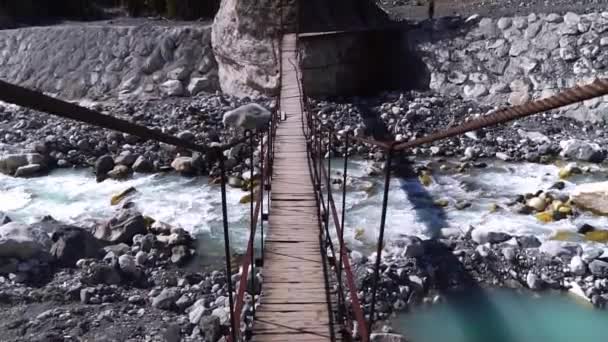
(148, 221)
(565, 235)
(545, 216)
(122, 195)
(441, 202)
(597, 236)
(425, 179)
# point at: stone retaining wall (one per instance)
(102, 62)
(512, 60)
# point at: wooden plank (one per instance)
(293, 302)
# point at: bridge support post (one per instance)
(380, 245)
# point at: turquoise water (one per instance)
(505, 316)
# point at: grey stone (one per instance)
(582, 66)
(126, 158)
(581, 150)
(28, 170)
(11, 162)
(22, 242)
(457, 77)
(172, 333)
(179, 254)
(196, 311)
(592, 197)
(210, 328)
(387, 337)
(533, 281)
(577, 265)
(571, 19)
(483, 250)
(249, 116)
(166, 299)
(183, 165)
(482, 236)
(118, 249)
(475, 91)
(502, 156)
(183, 302)
(559, 248)
(528, 64)
(223, 314)
(127, 264)
(180, 73)
(499, 88)
(532, 30)
(520, 22)
(553, 18)
(119, 172)
(86, 294)
(4, 219)
(200, 84)
(517, 98)
(509, 253)
(141, 257)
(518, 47)
(143, 165)
(599, 268)
(591, 254)
(122, 227)
(71, 244)
(504, 23)
(100, 273)
(172, 88)
(487, 28)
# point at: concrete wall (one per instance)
(106, 61)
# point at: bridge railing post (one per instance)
(341, 304)
(251, 248)
(227, 253)
(380, 244)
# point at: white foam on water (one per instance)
(73, 196)
(411, 210)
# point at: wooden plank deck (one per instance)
(293, 303)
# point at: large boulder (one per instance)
(22, 242)
(249, 116)
(10, 163)
(4, 219)
(103, 165)
(581, 150)
(183, 165)
(122, 227)
(71, 244)
(245, 44)
(592, 197)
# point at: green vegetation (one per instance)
(40, 10)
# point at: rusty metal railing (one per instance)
(317, 131)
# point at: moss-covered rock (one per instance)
(122, 195)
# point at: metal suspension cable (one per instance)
(570, 96)
(35, 100)
(573, 95)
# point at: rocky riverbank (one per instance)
(33, 143)
(421, 271)
(405, 116)
(118, 280)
